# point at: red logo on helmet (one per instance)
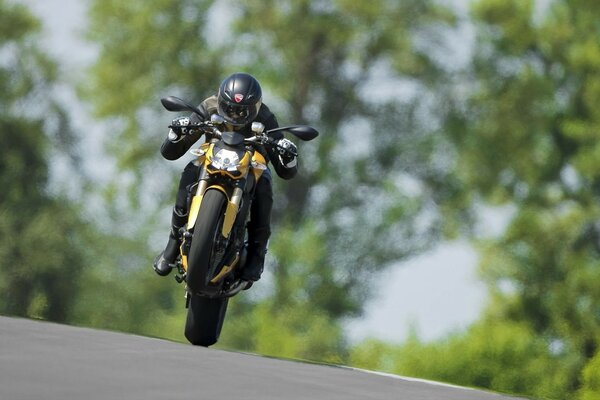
(238, 97)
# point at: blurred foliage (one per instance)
(148, 49)
(590, 389)
(527, 135)
(41, 253)
(55, 263)
(319, 61)
(505, 356)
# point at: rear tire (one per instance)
(205, 319)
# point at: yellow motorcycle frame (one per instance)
(252, 162)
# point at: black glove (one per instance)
(287, 152)
(178, 129)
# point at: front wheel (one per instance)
(207, 248)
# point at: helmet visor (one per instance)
(235, 113)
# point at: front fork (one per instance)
(231, 213)
(184, 232)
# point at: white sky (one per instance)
(435, 293)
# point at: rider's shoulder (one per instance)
(210, 104)
(264, 109)
(266, 116)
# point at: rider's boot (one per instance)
(259, 229)
(164, 262)
(256, 261)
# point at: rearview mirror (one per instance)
(173, 103)
(302, 132)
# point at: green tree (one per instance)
(148, 50)
(526, 134)
(348, 192)
(506, 356)
(41, 253)
(591, 380)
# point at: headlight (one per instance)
(226, 160)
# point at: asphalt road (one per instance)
(41, 360)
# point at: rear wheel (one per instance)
(204, 320)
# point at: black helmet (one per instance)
(240, 98)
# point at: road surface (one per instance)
(41, 360)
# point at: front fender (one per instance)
(197, 201)
(233, 204)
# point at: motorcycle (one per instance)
(213, 241)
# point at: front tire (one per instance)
(201, 260)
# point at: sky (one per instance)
(434, 294)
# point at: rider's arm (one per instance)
(173, 150)
(176, 144)
(284, 164)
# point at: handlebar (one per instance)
(264, 139)
(199, 126)
(209, 127)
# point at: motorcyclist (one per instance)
(239, 103)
